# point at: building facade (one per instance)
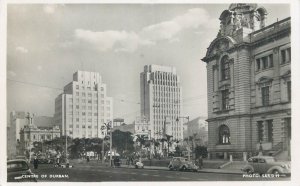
(249, 85)
(161, 100)
(84, 106)
(31, 133)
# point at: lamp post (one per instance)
(188, 119)
(107, 127)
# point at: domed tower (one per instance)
(242, 15)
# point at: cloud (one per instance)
(21, 50)
(111, 39)
(129, 41)
(168, 29)
(49, 9)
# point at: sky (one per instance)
(47, 43)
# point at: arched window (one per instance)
(224, 134)
(225, 68)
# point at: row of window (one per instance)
(265, 96)
(264, 62)
(267, 61)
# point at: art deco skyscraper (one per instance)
(84, 106)
(161, 100)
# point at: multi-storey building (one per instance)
(84, 106)
(161, 100)
(17, 121)
(249, 84)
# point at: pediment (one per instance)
(219, 45)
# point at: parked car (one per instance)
(138, 165)
(19, 171)
(182, 164)
(267, 165)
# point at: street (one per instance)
(94, 172)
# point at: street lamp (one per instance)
(107, 127)
(188, 119)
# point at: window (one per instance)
(224, 134)
(83, 93)
(77, 126)
(83, 126)
(89, 101)
(270, 130)
(77, 93)
(271, 61)
(289, 53)
(225, 99)
(225, 68)
(77, 86)
(260, 131)
(265, 95)
(70, 126)
(77, 119)
(77, 106)
(289, 91)
(283, 57)
(264, 62)
(257, 64)
(83, 113)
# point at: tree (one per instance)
(201, 151)
(122, 141)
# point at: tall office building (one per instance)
(84, 106)
(161, 101)
(249, 85)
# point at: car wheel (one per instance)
(249, 171)
(183, 168)
(275, 171)
(171, 168)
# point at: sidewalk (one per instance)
(205, 170)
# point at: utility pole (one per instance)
(188, 145)
(110, 147)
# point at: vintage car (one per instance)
(182, 164)
(19, 171)
(267, 165)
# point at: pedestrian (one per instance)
(88, 159)
(35, 162)
(200, 162)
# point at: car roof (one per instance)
(16, 160)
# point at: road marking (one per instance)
(145, 174)
(155, 175)
(169, 177)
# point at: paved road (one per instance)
(96, 173)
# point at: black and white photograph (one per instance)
(149, 92)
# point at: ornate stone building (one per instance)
(249, 85)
